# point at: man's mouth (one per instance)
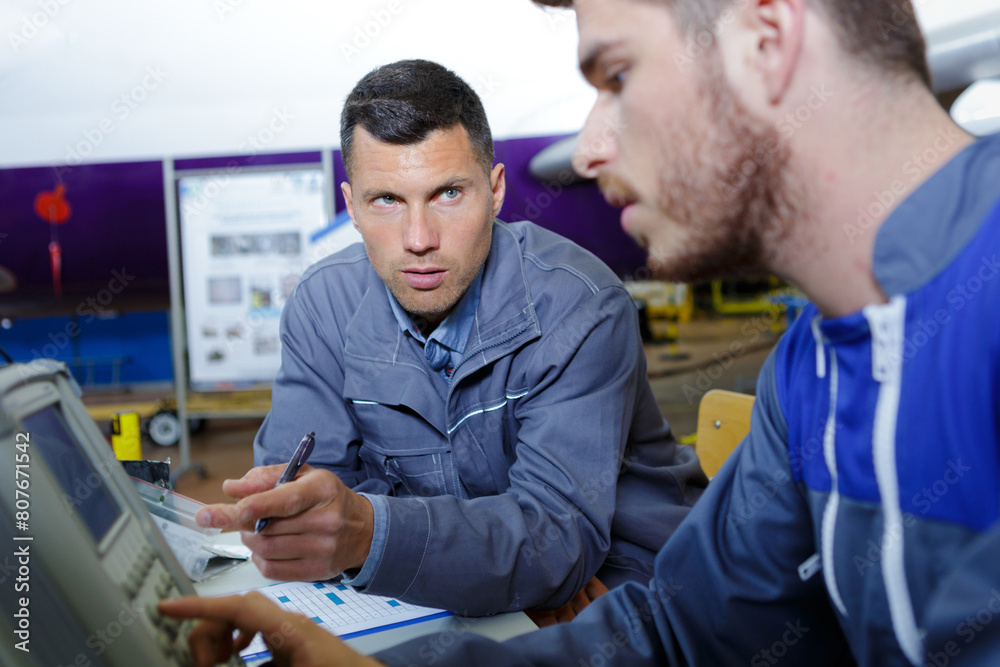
(616, 191)
(619, 194)
(424, 277)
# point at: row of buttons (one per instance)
(136, 577)
(171, 633)
(146, 582)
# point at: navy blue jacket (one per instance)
(861, 512)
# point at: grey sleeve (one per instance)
(726, 589)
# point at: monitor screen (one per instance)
(83, 485)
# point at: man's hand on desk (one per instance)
(318, 528)
(566, 613)
(292, 639)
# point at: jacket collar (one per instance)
(935, 223)
(506, 315)
(382, 366)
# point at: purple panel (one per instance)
(261, 160)
(117, 225)
(339, 176)
(578, 211)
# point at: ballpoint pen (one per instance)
(299, 458)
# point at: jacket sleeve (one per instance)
(307, 395)
(542, 538)
(726, 589)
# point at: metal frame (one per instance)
(178, 327)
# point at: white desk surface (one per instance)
(503, 626)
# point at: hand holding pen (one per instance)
(299, 458)
(325, 526)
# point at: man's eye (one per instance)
(450, 193)
(386, 200)
(616, 79)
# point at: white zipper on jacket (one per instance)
(888, 325)
(828, 527)
(820, 347)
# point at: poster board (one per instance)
(246, 238)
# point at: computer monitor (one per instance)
(85, 565)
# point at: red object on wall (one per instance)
(52, 207)
(55, 257)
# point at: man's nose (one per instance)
(598, 141)
(420, 233)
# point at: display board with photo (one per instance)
(245, 240)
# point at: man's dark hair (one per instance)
(883, 34)
(401, 103)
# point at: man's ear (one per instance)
(766, 47)
(345, 189)
(782, 25)
(498, 184)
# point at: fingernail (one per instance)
(204, 518)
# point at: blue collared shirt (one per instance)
(451, 333)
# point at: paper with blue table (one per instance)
(340, 610)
